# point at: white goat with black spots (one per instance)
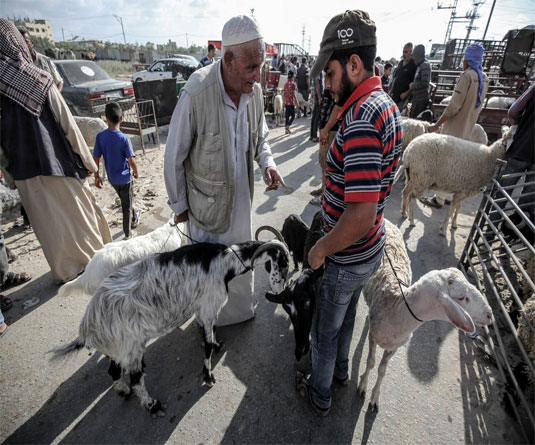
(151, 297)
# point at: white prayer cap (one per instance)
(240, 29)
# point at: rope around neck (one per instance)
(247, 268)
(400, 288)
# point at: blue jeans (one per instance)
(332, 327)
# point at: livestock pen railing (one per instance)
(498, 256)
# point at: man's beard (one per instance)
(347, 89)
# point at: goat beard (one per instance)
(347, 89)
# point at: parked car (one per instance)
(87, 88)
(186, 56)
(179, 67)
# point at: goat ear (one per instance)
(276, 298)
(456, 314)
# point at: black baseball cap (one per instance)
(350, 29)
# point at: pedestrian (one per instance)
(217, 129)
(282, 65)
(385, 79)
(361, 164)
(461, 114)
(328, 129)
(290, 101)
(303, 82)
(380, 66)
(419, 87)
(402, 77)
(292, 66)
(207, 59)
(46, 158)
(116, 149)
(317, 82)
(40, 60)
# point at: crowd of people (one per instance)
(217, 131)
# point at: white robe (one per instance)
(239, 306)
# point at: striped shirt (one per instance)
(361, 164)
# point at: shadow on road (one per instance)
(101, 416)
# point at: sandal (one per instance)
(15, 279)
(5, 326)
(303, 388)
(5, 303)
(431, 201)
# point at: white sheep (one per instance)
(449, 164)
(302, 103)
(278, 107)
(412, 128)
(439, 295)
(115, 255)
(90, 127)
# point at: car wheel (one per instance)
(139, 79)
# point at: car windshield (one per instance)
(83, 72)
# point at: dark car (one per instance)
(87, 88)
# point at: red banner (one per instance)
(216, 43)
(271, 49)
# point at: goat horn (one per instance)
(269, 229)
(270, 245)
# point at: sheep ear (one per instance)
(451, 280)
(457, 315)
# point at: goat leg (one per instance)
(209, 346)
(374, 402)
(137, 382)
(218, 345)
(118, 375)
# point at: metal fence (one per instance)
(141, 121)
(496, 255)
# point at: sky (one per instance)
(197, 21)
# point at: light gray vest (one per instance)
(209, 166)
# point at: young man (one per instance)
(361, 164)
(208, 59)
(290, 101)
(116, 149)
(403, 76)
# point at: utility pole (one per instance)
(472, 15)
(62, 34)
(309, 44)
(469, 18)
(303, 40)
(252, 12)
(120, 20)
(488, 21)
(452, 18)
(187, 44)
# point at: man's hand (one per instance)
(134, 174)
(98, 181)
(315, 258)
(404, 95)
(324, 135)
(182, 217)
(273, 179)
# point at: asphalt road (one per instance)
(437, 389)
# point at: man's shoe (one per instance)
(341, 382)
(317, 192)
(431, 201)
(316, 200)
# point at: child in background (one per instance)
(290, 101)
(118, 155)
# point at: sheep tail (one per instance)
(399, 172)
(63, 350)
(73, 288)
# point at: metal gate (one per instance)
(499, 256)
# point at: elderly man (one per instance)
(217, 130)
(361, 163)
(42, 61)
(460, 116)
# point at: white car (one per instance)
(179, 67)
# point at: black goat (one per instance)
(298, 236)
(298, 300)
